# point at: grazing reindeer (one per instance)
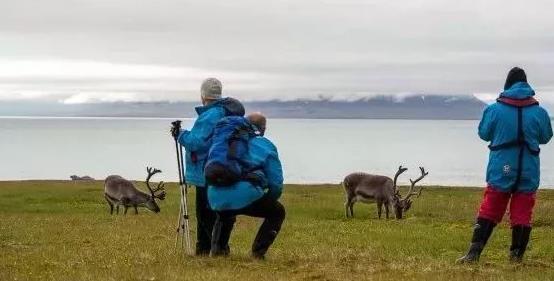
(383, 190)
(119, 191)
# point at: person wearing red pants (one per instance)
(515, 126)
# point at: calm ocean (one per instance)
(312, 151)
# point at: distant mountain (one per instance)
(415, 107)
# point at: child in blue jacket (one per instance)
(515, 126)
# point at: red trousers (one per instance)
(495, 203)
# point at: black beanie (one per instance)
(515, 75)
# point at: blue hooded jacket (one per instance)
(499, 126)
(261, 153)
(197, 141)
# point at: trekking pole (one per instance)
(183, 220)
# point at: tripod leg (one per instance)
(186, 230)
(180, 222)
(183, 222)
(178, 227)
(182, 226)
(186, 226)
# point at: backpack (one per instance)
(232, 107)
(225, 165)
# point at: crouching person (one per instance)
(197, 142)
(256, 189)
(515, 126)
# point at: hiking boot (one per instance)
(473, 253)
(221, 235)
(258, 256)
(481, 233)
(220, 252)
(202, 252)
(520, 239)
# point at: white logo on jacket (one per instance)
(507, 169)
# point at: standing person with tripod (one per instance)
(197, 142)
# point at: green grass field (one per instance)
(52, 230)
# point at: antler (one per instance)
(159, 187)
(411, 191)
(398, 173)
(152, 171)
(161, 195)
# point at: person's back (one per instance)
(515, 126)
(256, 195)
(263, 155)
(198, 140)
(500, 126)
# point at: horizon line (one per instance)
(30, 117)
(396, 98)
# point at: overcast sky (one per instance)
(76, 51)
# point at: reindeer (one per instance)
(382, 190)
(119, 191)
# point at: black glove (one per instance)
(175, 128)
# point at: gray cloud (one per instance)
(278, 49)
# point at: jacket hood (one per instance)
(518, 91)
(232, 107)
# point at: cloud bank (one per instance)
(103, 51)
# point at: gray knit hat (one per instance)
(211, 89)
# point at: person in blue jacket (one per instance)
(515, 126)
(197, 142)
(246, 198)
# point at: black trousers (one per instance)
(269, 209)
(205, 220)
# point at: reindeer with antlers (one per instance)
(119, 191)
(382, 190)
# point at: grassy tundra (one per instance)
(53, 230)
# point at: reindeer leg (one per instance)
(379, 208)
(352, 208)
(346, 207)
(136, 210)
(387, 209)
(125, 202)
(109, 203)
(117, 209)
